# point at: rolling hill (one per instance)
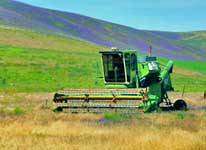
(172, 45)
(33, 61)
(40, 53)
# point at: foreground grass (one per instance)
(46, 130)
(27, 122)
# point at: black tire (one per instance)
(180, 105)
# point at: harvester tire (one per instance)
(180, 105)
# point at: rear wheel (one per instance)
(180, 105)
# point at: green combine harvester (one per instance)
(133, 83)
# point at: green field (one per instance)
(32, 62)
(26, 69)
(188, 75)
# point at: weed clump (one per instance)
(180, 115)
(114, 117)
(18, 111)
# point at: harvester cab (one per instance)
(119, 68)
(132, 83)
(123, 69)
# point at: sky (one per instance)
(161, 15)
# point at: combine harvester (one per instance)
(132, 83)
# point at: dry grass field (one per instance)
(27, 122)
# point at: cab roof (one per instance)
(118, 51)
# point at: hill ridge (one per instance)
(173, 45)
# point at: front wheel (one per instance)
(180, 105)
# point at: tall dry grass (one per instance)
(46, 130)
(41, 128)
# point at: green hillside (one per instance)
(32, 61)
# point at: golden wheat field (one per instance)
(27, 122)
